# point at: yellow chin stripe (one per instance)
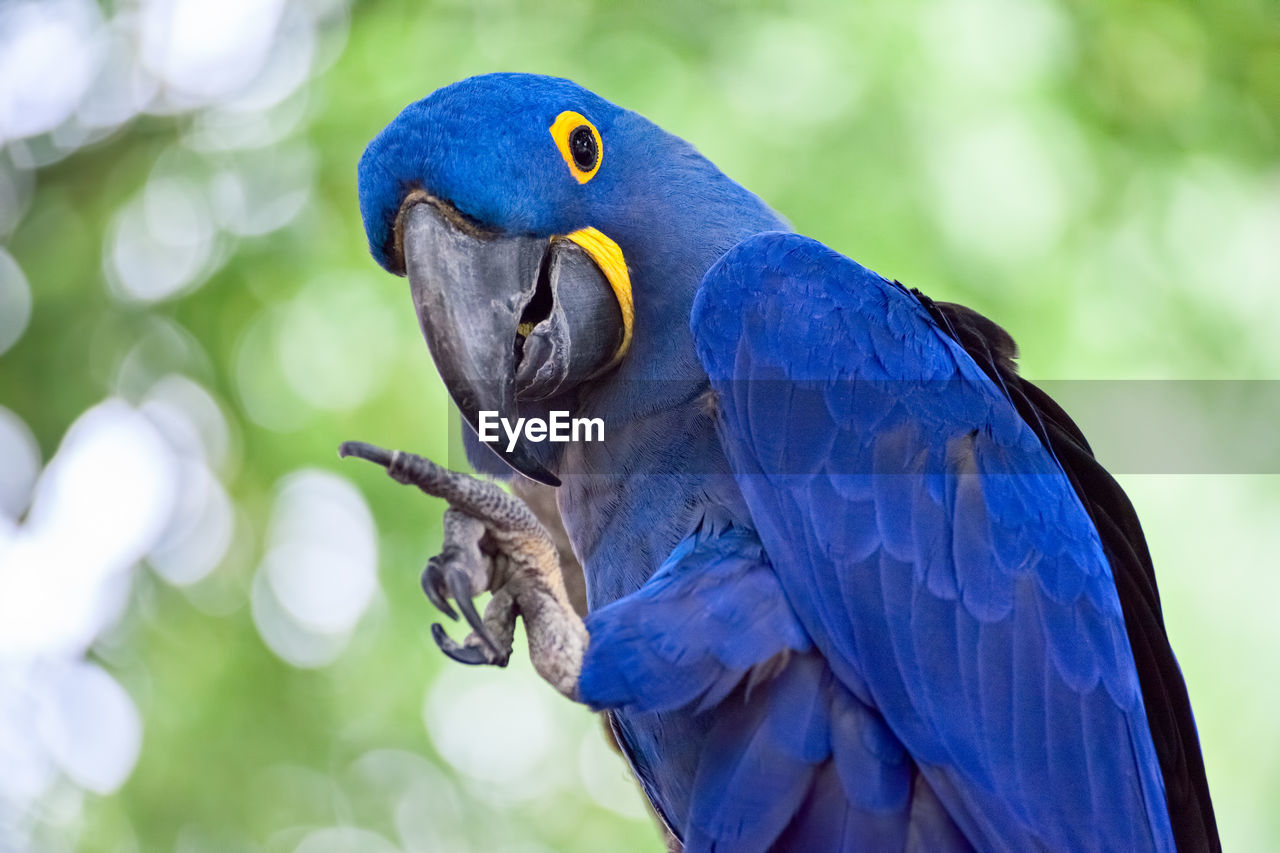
(608, 257)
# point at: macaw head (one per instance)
(553, 241)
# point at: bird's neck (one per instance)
(660, 471)
(667, 255)
(628, 501)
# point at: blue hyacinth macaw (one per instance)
(853, 583)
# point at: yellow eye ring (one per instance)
(579, 143)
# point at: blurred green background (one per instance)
(211, 632)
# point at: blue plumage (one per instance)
(636, 661)
(1007, 679)
(749, 713)
(844, 595)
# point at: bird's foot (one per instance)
(492, 543)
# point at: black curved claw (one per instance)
(460, 587)
(470, 655)
(433, 586)
(364, 450)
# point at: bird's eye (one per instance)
(579, 143)
(582, 145)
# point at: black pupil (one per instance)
(582, 145)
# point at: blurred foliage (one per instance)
(1101, 178)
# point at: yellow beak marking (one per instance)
(608, 257)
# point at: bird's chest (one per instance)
(623, 528)
(628, 503)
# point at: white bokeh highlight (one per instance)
(203, 51)
(20, 458)
(1004, 185)
(262, 191)
(65, 573)
(49, 53)
(319, 572)
(508, 733)
(419, 798)
(140, 484)
(15, 301)
(335, 342)
(344, 839)
(202, 524)
(103, 500)
(90, 726)
(161, 241)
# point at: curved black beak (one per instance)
(481, 296)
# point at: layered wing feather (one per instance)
(932, 548)
(737, 728)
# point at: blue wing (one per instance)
(932, 549)
(789, 758)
